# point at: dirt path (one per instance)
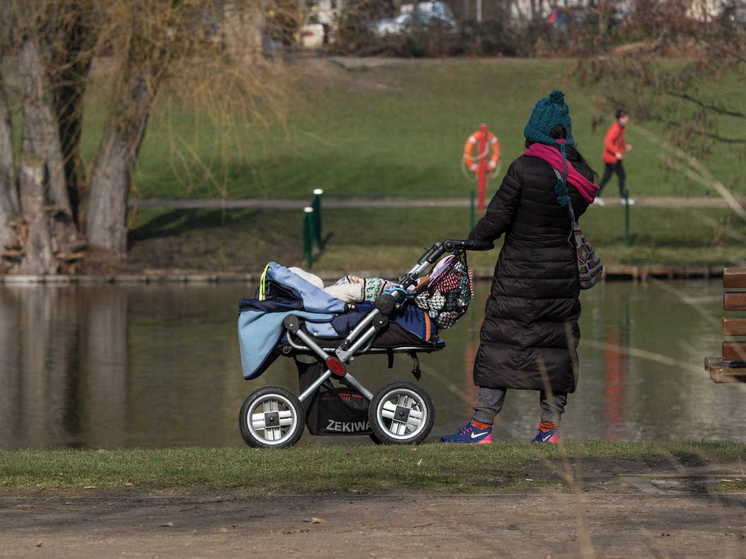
(631, 518)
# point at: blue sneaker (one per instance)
(469, 434)
(547, 434)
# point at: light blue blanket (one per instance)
(259, 332)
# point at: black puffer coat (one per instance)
(530, 332)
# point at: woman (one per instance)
(530, 331)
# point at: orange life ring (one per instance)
(471, 162)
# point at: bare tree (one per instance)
(679, 95)
(39, 226)
(54, 214)
(682, 97)
(151, 35)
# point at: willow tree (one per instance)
(55, 210)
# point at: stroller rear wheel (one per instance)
(271, 417)
(401, 413)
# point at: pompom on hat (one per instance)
(548, 113)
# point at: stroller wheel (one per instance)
(401, 413)
(271, 417)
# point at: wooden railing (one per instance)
(731, 366)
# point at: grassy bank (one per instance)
(309, 470)
(386, 128)
(393, 239)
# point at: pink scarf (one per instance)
(552, 155)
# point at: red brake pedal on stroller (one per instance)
(336, 366)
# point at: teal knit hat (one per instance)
(548, 113)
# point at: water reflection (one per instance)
(146, 366)
(616, 368)
(64, 367)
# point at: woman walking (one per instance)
(530, 332)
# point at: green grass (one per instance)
(732, 485)
(392, 130)
(377, 239)
(309, 470)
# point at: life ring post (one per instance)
(484, 162)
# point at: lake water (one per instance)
(108, 366)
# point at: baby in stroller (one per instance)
(408, 324)
(438, 299)
(325, 328)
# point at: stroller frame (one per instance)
(399, 413)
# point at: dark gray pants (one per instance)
(490, 402)
(609, 170)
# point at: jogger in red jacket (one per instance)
(615, 147)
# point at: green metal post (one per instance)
(308, 235)
(316, 205)
(471, 210)
(627, 239)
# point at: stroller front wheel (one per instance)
(271, 417)
(401, 413)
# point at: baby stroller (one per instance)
(290, 317)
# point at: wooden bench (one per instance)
(731, 366)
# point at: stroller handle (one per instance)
(453, 246)
(436, 251)
(439, 249)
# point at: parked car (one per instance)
(312, 35)
(424, 14)
(562, 18)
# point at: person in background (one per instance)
(530, 332)
(615, 147)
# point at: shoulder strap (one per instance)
(573, 221)
(572, 216)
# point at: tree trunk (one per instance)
(150, 47)
(9, 205)
(37, 239)
(111, 178)
(41, 137)
(43, 188)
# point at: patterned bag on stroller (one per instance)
(448, 292)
